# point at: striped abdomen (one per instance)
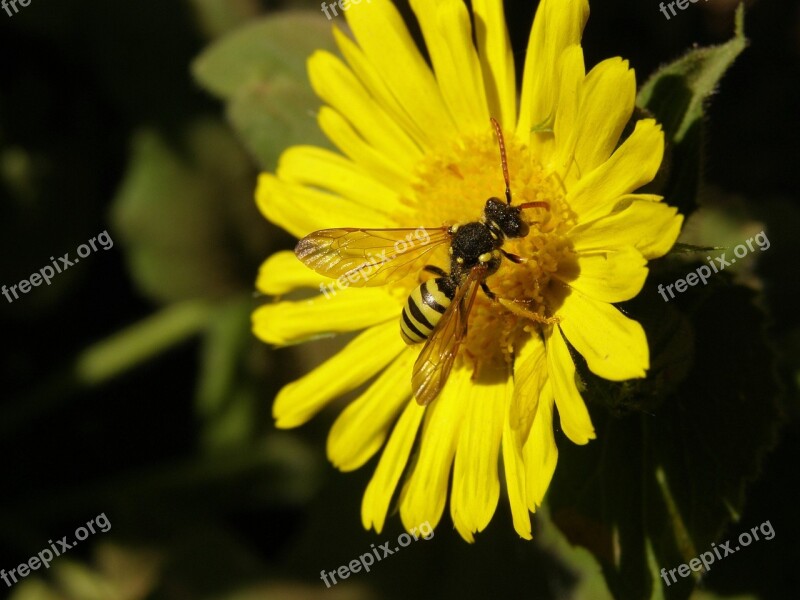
(424, 309)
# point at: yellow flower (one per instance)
(418, 150)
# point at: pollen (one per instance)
(451, 186)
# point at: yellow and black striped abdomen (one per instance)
(424, 309)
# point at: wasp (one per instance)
(437, 311)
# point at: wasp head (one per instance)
(508, 219)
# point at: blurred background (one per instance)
(132, 386)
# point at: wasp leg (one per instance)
(516, 308)
(513, 257)
(491, 295)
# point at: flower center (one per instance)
(452, 185)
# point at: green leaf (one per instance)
(667, 476)
(186, 217)
(140, 342)
(271, 116)
(260, 71)
(589, 584)
(276, 45)
(675, 95)
(233, 389)
(101, 362)
(217, 17)
(677, 91)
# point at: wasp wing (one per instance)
(437, 357)
(368, 257)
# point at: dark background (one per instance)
(77, 81)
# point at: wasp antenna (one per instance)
(503, 160)
(535, 205)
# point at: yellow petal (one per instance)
(425, 492)
(341, 133)
(614, 346)
(476, 484)
(377, 87)
(380, 31)
(565, 126)
(283, 272)
(650, 227)
(301, 210)
(335, 83)
(530, 374)
(317, 167)
(335, 311)
(575, 421)
(355, 364)
(607, 101)
(390, 467)
(632, 165)
(497, 60)
(362, 427)
(514, 469)
(610, 276)
(557, 25)
(447, 31)
(540, 451)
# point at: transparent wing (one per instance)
(437, 357)
(368, 257)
